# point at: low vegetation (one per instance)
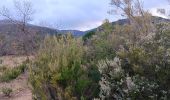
(7, 91)
(130, 61)
(108, 66)
(2, 68)
(59, 72)
(10, 74)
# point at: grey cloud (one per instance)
(75, 14)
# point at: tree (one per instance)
(139, 19)
(24, 12)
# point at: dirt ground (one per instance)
(20, 86)
(13, 61)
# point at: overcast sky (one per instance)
(78, 14)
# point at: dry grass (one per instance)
(12, 61)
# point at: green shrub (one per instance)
(88, 35)
(108, 66)
(103, 44)
(112, 75)
(7, 91)
(145, 69)
(2, 68)
(11, 74)
(58, 72)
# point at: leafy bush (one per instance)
(7, 91)
(58, 71)
(88, 35)
(139, 77)
(103, 44)
(145, 69)
(111, 80)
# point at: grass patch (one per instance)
(11, 74)
(7, 91)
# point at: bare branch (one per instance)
(24, 11)
(138, 17)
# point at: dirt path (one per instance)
(23, 95)
(20, 87)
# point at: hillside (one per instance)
(155, 20)
(75, 33)
(12, 39)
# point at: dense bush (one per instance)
(108, 65)
(59, 73)
(144, 70)
(104, 43)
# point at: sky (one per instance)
(78, 14)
